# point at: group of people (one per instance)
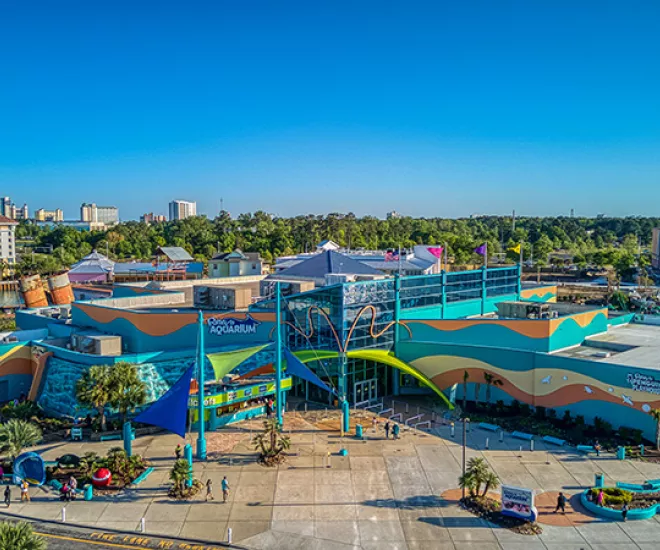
(25, 493)
(68, 490)
(389, 427)
(178, 452)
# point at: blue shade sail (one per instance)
(296, 368)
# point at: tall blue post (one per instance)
(343, 393)
(444, 294)
(520, 277)
(484, 275)
(396, 374)
(128, 438)
(201, 438)
(278, 355)
(188, 455)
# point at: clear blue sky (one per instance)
(430, 108)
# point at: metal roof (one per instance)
(176, 253)
(327, 262)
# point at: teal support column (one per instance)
(213, 420)
(201, 428)
(278, 356)
(396, 375)
(484, 274)
(128, 439)
(519, 280)
(188, 455)
(444, 294)
(343, 392)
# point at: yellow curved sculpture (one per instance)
(378, 356)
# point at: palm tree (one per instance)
(468, 481)
(466, 376)
(477, 391)
(490, 382)
(20, 536)
(491, 481)
(655, 413)
(478, 467)
(95, 389)
(180, 473)
(271, 442)
(16, 435)
(128, 389)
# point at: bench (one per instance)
(489, 427)
(111, 437)
(586, 449)
(522, 435)
(554, 440)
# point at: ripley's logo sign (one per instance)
(232, 325)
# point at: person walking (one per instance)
(561, 503)
(600, 498)
(374, 423)
(25, 494)
(225, 489)
(597, 447)
(8, 496)
(387, 429)
(395, 431)
(624, 511)
(178, 452)
(209, 490)
(73, 485)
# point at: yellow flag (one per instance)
(515, 249)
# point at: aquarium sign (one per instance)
(221, 326)
(643, 382)
(263, 389)
(518, 502)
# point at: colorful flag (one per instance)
(482, 250)
(435, 251)
(515, 249)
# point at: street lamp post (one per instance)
(465, 421)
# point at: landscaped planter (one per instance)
(612, 513)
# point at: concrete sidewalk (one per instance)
(385, 494)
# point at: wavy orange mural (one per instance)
(538, 292)
(158, 324)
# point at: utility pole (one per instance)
(513, 222)
(222, 205)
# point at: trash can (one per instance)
(88, 492)
(621, 453)
(641, 450)
(358, 431)
(599, 481)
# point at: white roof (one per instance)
(93, 263)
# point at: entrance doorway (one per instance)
(366, 390)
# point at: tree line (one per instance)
(601, 241)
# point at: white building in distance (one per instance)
(180, 210)
(7, 240)
(107, 215)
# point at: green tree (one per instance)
(128, 390)
(179, 474)
(20, 536)
(271, 442)
(542, 249)
(16, 435)
(490, 382)
(95, 389)
(655, 413)
(466, 376)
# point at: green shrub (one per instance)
(551, 413)
(613, 496)
(567, 418)
(540, 413)
(579, 420)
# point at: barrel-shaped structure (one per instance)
(32, 291)
(60, 289)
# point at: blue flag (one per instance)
(296, 367)
(170, 411)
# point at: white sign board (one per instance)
(518, 502)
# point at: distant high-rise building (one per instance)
(393, 215)
(572, 212)
(7, 239)
(108, 215)
(180, 210)
(13, 212)
(152, 218)
(43, 215)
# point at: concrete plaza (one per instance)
(384, 495)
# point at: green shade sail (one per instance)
(378, 356)
(225, 362)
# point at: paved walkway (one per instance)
(384, 495)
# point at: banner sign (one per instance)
(232, 325)
(518, 502)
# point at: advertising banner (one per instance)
(518, 502)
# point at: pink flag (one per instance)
(435, 251)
